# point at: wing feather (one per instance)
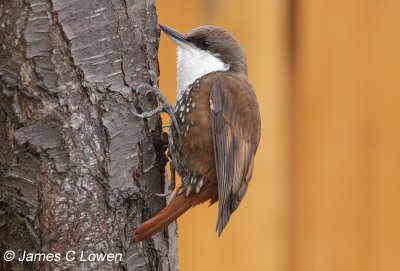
(235, 141)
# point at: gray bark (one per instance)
(78, 171)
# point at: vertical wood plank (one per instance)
(346, 136)
(257, 236)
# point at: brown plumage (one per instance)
(219, 121)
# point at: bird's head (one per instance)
(204, 50)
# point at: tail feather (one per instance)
(178, 205)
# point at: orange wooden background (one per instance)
(325, 194)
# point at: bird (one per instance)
(218, 116)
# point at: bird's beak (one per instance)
(177, 37)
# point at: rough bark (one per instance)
(77, 169)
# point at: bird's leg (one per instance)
(164, 139)
(163, 105)
(171, 185)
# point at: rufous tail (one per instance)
(178, 205)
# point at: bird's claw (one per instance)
(147, 114)
(164, 106)
(166, 194)
(171, 188)
(172, 184)
(142, 86)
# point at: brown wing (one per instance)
(235, 122)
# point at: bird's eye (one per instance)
(205, 43)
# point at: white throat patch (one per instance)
(194, 63)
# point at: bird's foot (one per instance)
(163, 104)
(164, 139)
(172, 184)
(170, 188)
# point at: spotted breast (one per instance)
(192, 151)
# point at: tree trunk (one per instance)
(78, 171)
